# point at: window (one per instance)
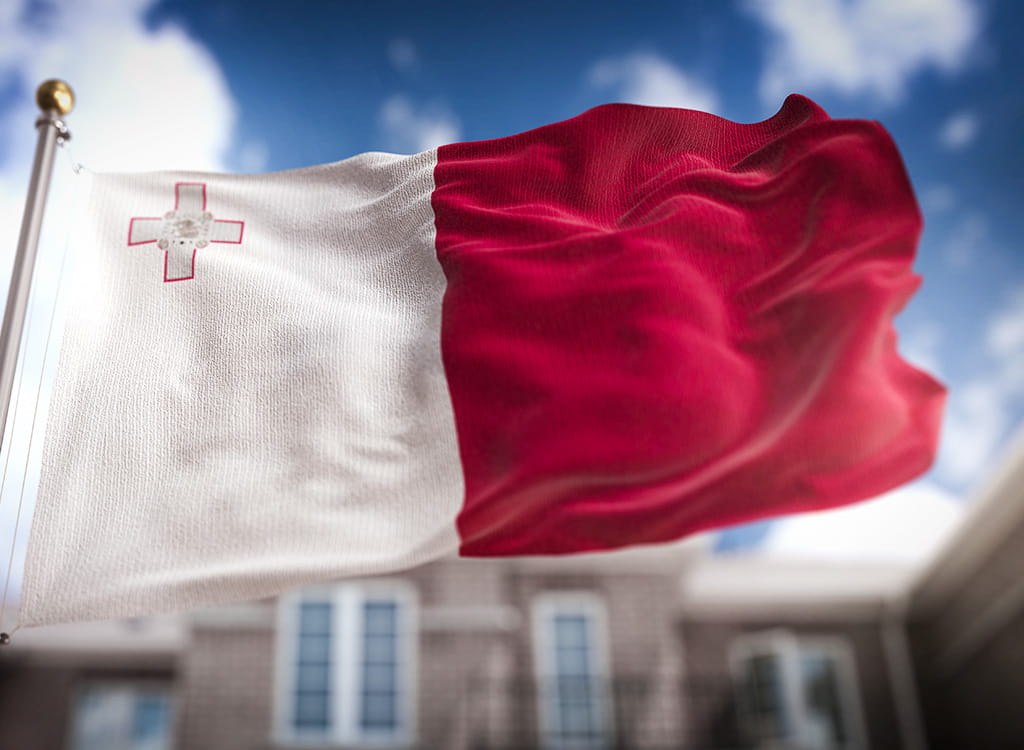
(116, 716)
(379, 668)
(346, 664)
(797, 692)
(311, 697)
(572, 673)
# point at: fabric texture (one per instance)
(279, 418)
(619, 329)
(658, 321)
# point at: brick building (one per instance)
(657, 648)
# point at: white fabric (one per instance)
(280, 418)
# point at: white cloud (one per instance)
(645, 78)
(869, 47)
(963, 243)
(975, 422)
(959, 131)
(409, 129)
(253, 157)
(907, 524)
(921, 348)
(1005, 332)
(978, 416)
(403, 55)
(148, 98)
(937, 198)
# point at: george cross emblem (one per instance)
(182, 232)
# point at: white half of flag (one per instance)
(279, 416)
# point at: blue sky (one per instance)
(260, 85)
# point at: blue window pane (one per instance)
(311, 710)
(571, 631)
(313, 678)
(314, 649)
(379, 678)
(379, 693)
(380, 649)
(380, 617)
(379, 712)
(152, 720)
(577, 719)
(575, 695)
(312, 698)
(315, 618)
(573, 661)
(575, 690)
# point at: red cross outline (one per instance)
(190, 196)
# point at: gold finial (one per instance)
(55, 94)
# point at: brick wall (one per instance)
(226, 689)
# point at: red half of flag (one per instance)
(658, 321)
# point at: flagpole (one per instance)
(55, 99)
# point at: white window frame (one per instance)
(347, 600)
(546, 607)
(789, 648)
(136, 687)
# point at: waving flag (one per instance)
(620, 329)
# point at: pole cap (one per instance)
(55, 94)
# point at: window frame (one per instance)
(547, 606)
(347, 632)
(789, 649)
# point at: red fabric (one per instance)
(658, 321)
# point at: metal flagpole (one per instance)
(55, 99)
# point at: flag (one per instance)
(620, 329)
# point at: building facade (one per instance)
(592, 652)
(456, 654)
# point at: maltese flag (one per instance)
(616, 330)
